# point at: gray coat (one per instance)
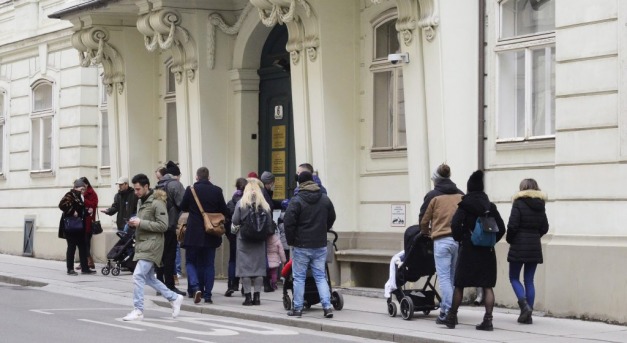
(251, 256)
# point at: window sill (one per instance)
(41, 173)
(2, 176)
(380, 154)
(105, 171)
(524, 144)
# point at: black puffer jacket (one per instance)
(308, 217)
(527, 224)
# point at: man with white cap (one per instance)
(124, 203)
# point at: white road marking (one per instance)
(193, 340)
(114, 325)
(259, 329)
(158, 324)
(41, 311)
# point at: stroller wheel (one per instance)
(407, 308)
(105, 271)
(392, 309)
(115, 271)
(337, 300)
(287, 302)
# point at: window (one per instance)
(105, 153)
(526, 69)
(172, 145)
(41, 127)
(389, 100)
(3, 114)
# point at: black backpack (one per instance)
(256, 226)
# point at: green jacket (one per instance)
(154, 222)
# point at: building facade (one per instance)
(520, 88)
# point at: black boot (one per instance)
(451, 319)
(525, 312)
(229, 289)
(247, 301)
(486, 324)
(256, 300)
(266, 285)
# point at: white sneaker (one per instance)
(176, 305)
(134, 315)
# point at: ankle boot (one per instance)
(486, 324)
(229, 289)
(90, 262)
(266, 285)
(256, 300)
(247, 301)
(525, 311)
(451, 319)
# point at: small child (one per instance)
(276, 256)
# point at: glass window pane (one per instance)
(511, 97)
(386, 40)
(551, 72)
(104, 140)
(1, 147)
(42, 97)
(524, 17)
(539, 96)
(383, 110)
(400, 103)
(35, 144)
(47, 148)
(2, 105)
(171, 83)
(172, 141)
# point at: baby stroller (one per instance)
(311, 296)
(418, 262)
(121, 255)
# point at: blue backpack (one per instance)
(484, 233)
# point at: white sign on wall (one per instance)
(398, 215)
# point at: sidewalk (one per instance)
(362, 316)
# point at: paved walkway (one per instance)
(362, 316)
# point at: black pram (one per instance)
(418, 262)
(121, 255)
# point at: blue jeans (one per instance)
(144, 274)
(316, 259)
(177, 262)
(529, 290)
(445, 251)
(200, 267)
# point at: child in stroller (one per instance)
(311, 296)
(121, 254)
(417, 261)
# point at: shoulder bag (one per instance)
(214, 222)
(73, 225)
(96, 227)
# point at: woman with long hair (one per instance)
(527, 224)
(251, 254)
(91, 206)
(72, 227)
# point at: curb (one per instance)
(302, 323)
(21, 282)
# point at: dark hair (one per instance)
(444, 170)
(307, 166)
(529, 184)
(240, 184)
(142, 179)
(162, 171)
(304, 176)
(84, 179)
(202, 173)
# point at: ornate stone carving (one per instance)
(215, 19)
(427, 12)
(93, 49)
(166, 23)
(303, 33)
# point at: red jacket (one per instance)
(91, 201)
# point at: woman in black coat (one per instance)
(476, 265)
(527, 224)
(73, 206)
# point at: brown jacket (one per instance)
(439, 214)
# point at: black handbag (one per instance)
(96, 227)
(73, 224)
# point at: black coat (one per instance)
(212, 200)
(125, 205)
(476, 266)
(527, 224)
(71, 203)
(308, 217)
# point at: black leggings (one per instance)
(166, 273)
(73, 242)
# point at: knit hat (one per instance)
(253, 174)
(267, 177)
(443, 171)
(304, 176)
(475, 182)
(172, 168)
(79, 183)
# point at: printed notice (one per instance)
(398, 215)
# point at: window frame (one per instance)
(41, 116)
(4, 111)
(527, 43)
(103, 110)
(381, 65)
(169, 98)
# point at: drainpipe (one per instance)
(481, 88)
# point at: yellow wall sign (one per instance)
(279, 188)
(279, 137)
(278, 162)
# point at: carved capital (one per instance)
(94, 49)
(412, 14)
(162, 30)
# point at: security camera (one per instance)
(395, 58)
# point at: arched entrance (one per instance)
(276, 127)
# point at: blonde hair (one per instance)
(253, 195)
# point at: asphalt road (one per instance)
(34, 315)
